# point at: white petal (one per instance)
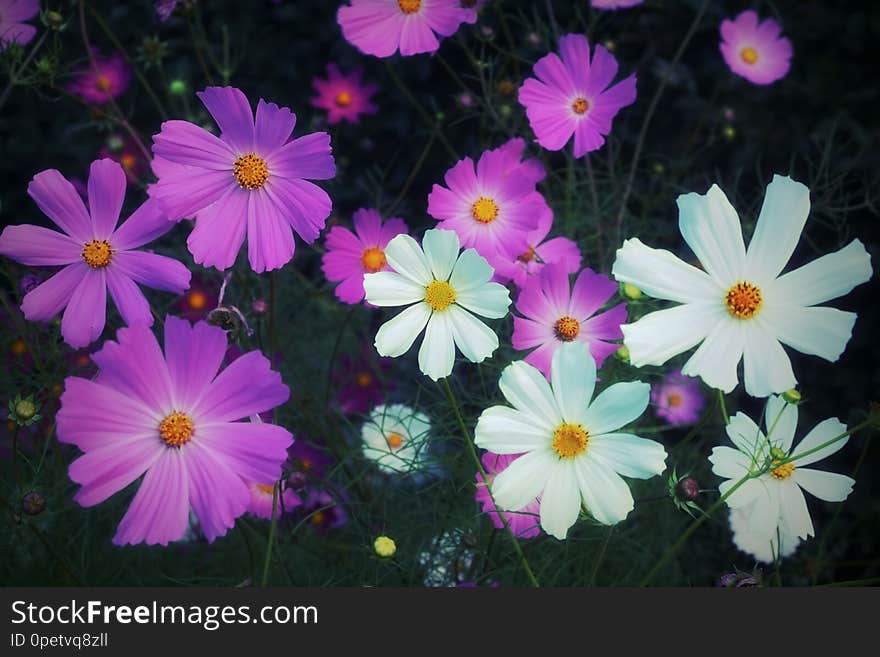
(523, 480)
(660, 274)
(818, 331)
(489, 300)
(441, 248)
(766, 366)
(764, 517)
(475, 340)
(825, 278)
(793, 507)
(387, 288)
(561, 500)
(605, 494)
(742, 496)
(761, 547)
(662, 334)
(748, 438)
(437, 353)
(821, 434)
(396, 336)
(527, 389)
(717, 359)
(780, 223)
(617, 406)
(407, 258)
(710, 226)
(628, 455)
(828, 486)
(780, 420)
(573, 377)
(504, 430)
(472, 270)
(730, 463)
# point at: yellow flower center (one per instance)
(103, 83)
(439, 295)
(250, 171)
(580, 105)
(373, 259)
(749, 55)
(567, 328)
(783, 471)
(395, 440)
(196, 300)
(343, 99)
(674, 399)
(570, 440)
(97, 253)
(266, 490)
(484, 210)
(743, 300)
(409, 6)
(176, 429)
(364, 380)
(317, 518)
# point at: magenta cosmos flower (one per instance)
(363, 381)
(553, 314)
(263, 498)
(754, 50)
(350, 255)
(536, 253)
(13, 29)
(524, 523)
(345, 97)
(108, 78)
(250, 181)
(173, 418)
(677, 398)
(615, 4)
(96, 255)
(381, 27)
(571, 96)
(491, 207)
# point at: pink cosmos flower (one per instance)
(525, 522)
(554, 314)
(13, 29)
(615, 4)
(345, 97)
(96, 255)
(381, 27)
(262, 499)
(677, 398)
(491, 207)
(572, 96)
(173, 418)
(754, 50)
(537, 253)
(108, 78)
(350, 255)
(123, 150)
(250, 181)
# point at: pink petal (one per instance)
(247, 387)
(270, 239)
(309, 157)
(303, 204)
(105, 470)
(591, 291)
(145, 224)
(34, 245)
(217, 494)
(220, 230)
(194, 355)
(189, 193)
(128, 298)
(184, 143)
(107, 184)
(232, 112)
(273, 128)
(153, 270)
(84, 318)
(59, 201)
(49, 298)
(254, 451)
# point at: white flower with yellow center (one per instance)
(739, 307)
(440, 287)
(572, 453)
(769, 514)
(395, 438)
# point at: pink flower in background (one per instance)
(323, 511)
(263, 498)
(512, 152)
(199, 300)
(677, 398)
(553, 314)
(107, 79)
(345, 97)
(96, 255)
(491, 206)
(305, 457)
(381, 27)
(614, 4)
(363, 381)
(250, 181)
(571, 96)
(755, 50)
(350, 255)
(123, 150)
(537, 253)
(13, 29)
(173, 418)
(525, 522)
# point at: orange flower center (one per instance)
(528, 256)
(364, 380)
(484, 210)
(103, 83)
(580, 105)
(783, 471)
(251, 171)
(266, 490)
(395, 440)
(176, 429)
(567, 328)
(197, 300)
(409, 6)
(570, 440)
(97, 253)
(373, 259)
(343, 99)
(674, 399)
(127, 161)
(749, 55)
(743, 300)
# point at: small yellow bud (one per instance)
(630, 291)
(791, 396)
(385, 547)
(622, 353)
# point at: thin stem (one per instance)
(13, 76)
(479, 464)
(723, 406)
(271, 535)
(601, 555)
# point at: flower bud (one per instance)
(177, 87)
(260, 307)
(728, 132)
(33, 504)
(53, 20)
(630, 291)
(791, 396)
(622, 353)
(688, 489)
(385, 547)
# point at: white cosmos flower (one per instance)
(739, 307)
(442, 287)
(572, 454)
(395, 437)
(772, 507)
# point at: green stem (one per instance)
(473, 452)
(268, 559)
(723, 407)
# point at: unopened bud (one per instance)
(630, 291)
(791, 396)
(688, 489)
(260, 307)
(622, 353)
(385, 547)
(177, 87)
(33, 504)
